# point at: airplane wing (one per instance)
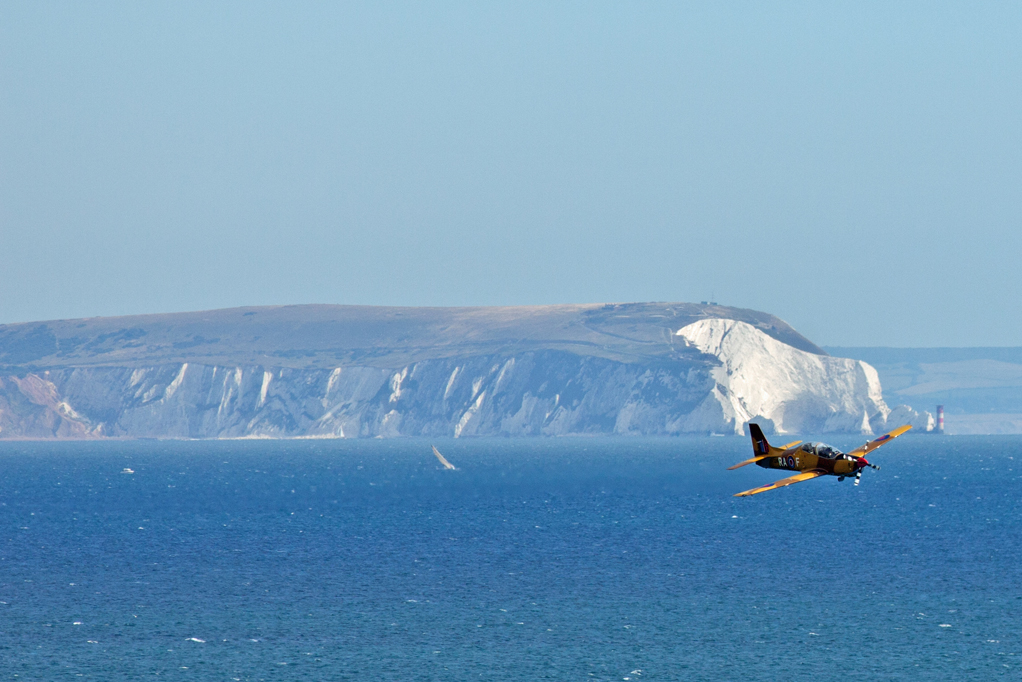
(869, 447)
(749, 461)
(790, 445)
(805, 476)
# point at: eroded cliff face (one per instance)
(791, 390)
(528, 394)
(722, 374)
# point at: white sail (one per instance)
(447, 465)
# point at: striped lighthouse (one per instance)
(940, 419)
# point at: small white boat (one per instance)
(126, 470)
(447, 465)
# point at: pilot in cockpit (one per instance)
(821, 450)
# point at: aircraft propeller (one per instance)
(862, 463)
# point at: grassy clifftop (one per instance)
(321, 336)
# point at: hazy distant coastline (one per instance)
(980, 388)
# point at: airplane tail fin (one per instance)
(761, 448)
(759, 442)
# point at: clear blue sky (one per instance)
(855, 169)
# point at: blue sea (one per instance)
(552, 559)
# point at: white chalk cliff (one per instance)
(349, 371)
(791, 390)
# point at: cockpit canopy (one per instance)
(821, 450)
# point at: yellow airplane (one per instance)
(812, 459)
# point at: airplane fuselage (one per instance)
(804, 458)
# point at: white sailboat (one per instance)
(447, 465)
